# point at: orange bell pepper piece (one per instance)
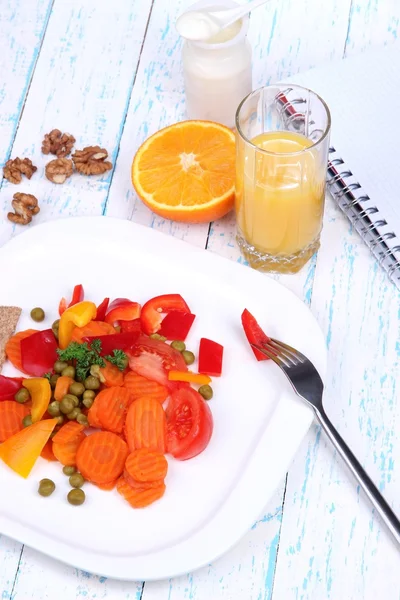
(189, 377)
(40, 391)
(78, 315)
(21, 451)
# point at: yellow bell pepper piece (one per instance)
(77, 315)
(189, 376)
(40, 391)
(21, 451)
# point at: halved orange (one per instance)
(186, 172)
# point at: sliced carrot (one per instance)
(47, 452)
(146, 465)
(101, 457)
(68, 432)
(141, 484)
(139, 498)
(146, 425)
(107, 486)
(13, 347)
(62, 387)
(11, 415)
(188, 376)
(140, 386)
(66, 453)
(112, 375)
(93, 417)
(94, 328)
(112, 405)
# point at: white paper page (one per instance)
(363, 95)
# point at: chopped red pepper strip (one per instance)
(154, 311)
(133, 326)
(210, 357)
(9, 386)
(39, 353)
(122, 309)
(102, 309)
(254, 333)
(176, 325)
(114, 341)
(77, 296)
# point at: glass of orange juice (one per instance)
(281, 163)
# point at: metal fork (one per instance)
(307, 384)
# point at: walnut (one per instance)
(15, 168)
(25, 206)
(58, 143)
(59, 169)
(91, 160)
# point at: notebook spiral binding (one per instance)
(363, 215)
(349, 195)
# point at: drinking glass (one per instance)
(281, 163)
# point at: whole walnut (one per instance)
(58, 143)
(25, 206)
(15, 168)
(91, 160)
(59, 169)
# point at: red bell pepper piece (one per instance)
(210, 357)
(102, 309)
(176, 325)
(77, 296)
(39, 353)
(254, 333)
(122, 309)
(133, 326)
(114, 341)
(9, 386)
(154, 309)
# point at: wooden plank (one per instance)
(332, 543)
(82, 84)
(157, 101)
(22, 26)
(372, 22)
(42, 577)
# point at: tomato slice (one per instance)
(154, 310)
(189, 424)
(254, 333)
(153, 359)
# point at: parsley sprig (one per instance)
(84, 356)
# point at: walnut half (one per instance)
(15, 168)
(58, 143)
(91, 160)
(25, 206)
(59, 169)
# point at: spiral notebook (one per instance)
(363, 94)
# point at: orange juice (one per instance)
(280, 199)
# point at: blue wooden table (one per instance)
(110, 73)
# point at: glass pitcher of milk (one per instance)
(217, 72)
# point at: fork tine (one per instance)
(270, 355)
(290, 357)
(296, 353)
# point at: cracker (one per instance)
(9, 317)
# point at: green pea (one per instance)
(77, 389)
(37, 314)
(22, 396)
(206, 391)
(157, 336)
(55, 327)
(53, 380)
(76, 497)
(66, 405)
(54, 409)
(73, 398)
(92, 383)
(27, 421)
(188, 357)
(82, 420)
(88, 402)
(68, 372)
(60, 419)
(73, 414)
(69, 470)
(178, 345)
(76, 480)
(46, 487)
(59, 366)
(89, 394)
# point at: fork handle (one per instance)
(362, 477)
